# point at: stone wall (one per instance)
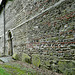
(50, 34)
(1, 33)
(1, 23)
(44, 29)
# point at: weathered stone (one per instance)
(65, 65)
(36, 60)
(72, 46)
(69, 71)
(15, 56)
(47, 63)
(26, 58)
(1, 54)
(54, 67)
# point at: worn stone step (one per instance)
(6, 59)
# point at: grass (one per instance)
(13, 69)
(3, 72)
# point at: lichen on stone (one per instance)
(26, 58)
(36, 60)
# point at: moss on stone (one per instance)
(51, 54)
(47, 63)
(0, 54)
(69, 71)
(26, 58)
(66, 66)
(62, 66)
(55, 38)
(69, 36)
(15, 56)
(36, 60)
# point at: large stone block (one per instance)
(66, 67)
(26, 58)
(15, 56)
(36, 60)
(69, 71)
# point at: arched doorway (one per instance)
(10, 47)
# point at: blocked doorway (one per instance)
(10, 47)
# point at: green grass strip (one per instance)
(3, 72)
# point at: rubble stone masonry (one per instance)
(45, 28)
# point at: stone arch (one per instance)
(10, 46)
